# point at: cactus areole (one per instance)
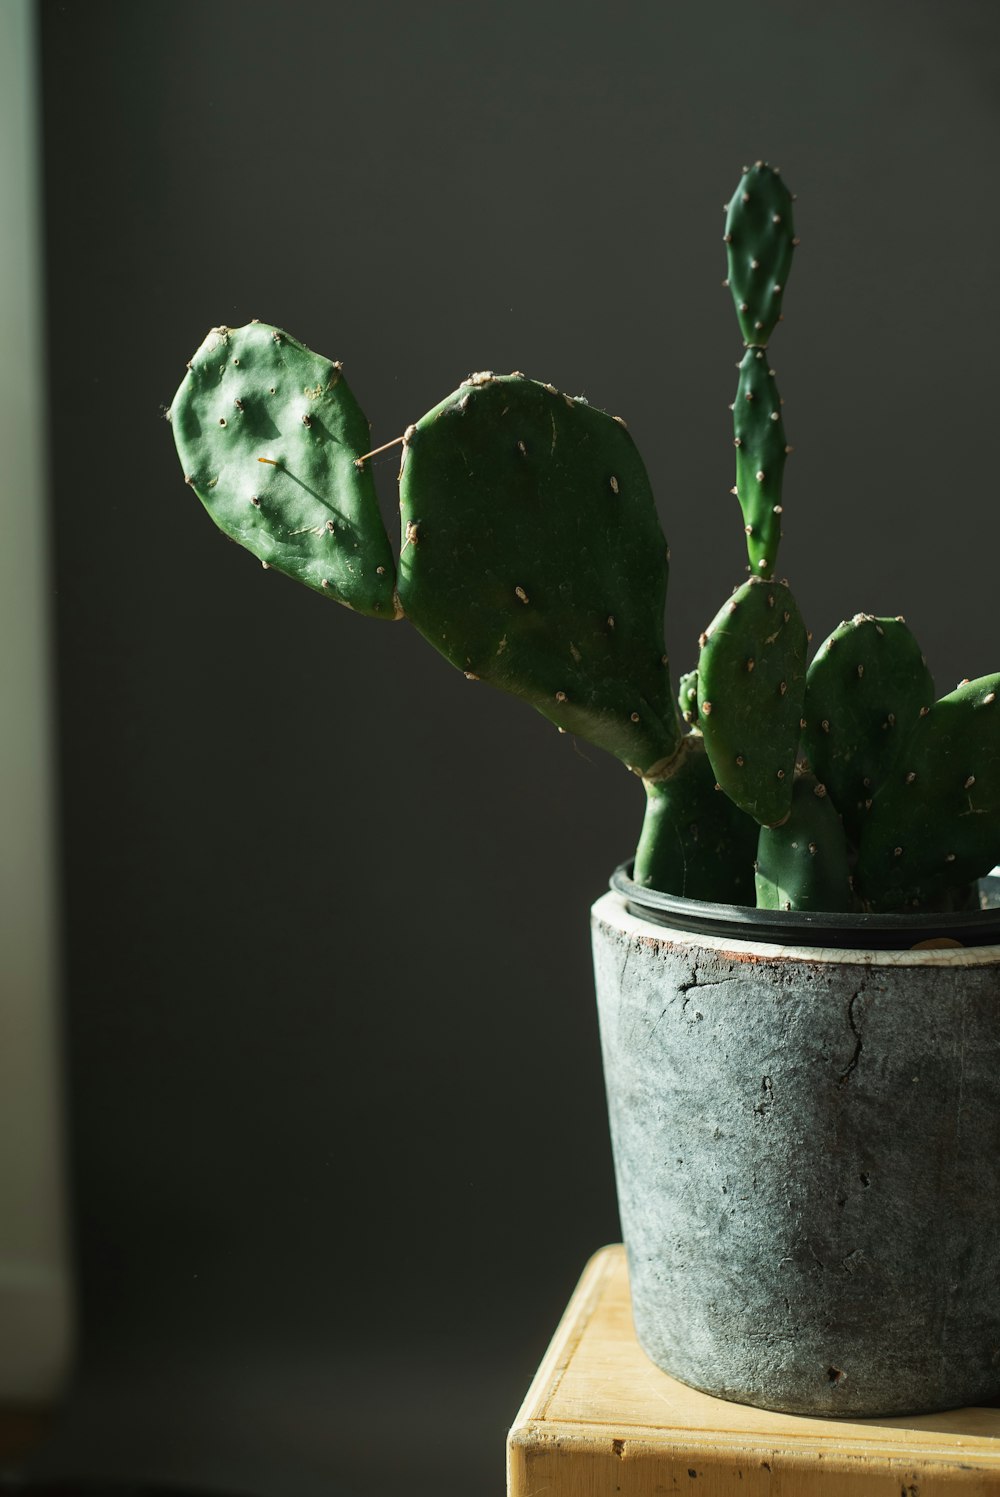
(798, 972)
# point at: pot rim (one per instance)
(868, 932)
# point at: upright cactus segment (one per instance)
(751, 673)
(695, 842)
(533, 558)
(761, 450)
(935, 823)
(751, 684)
(760, 241)
(866, 689)
(804, 864)
(268, 434)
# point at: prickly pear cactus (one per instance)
(695, 842)
(804, 864)
(866, 689)
(268, 434)
(751, 683)
(935, 823)
(532, 558)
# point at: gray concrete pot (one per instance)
(807, 1151)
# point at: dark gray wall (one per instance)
(337, 1119)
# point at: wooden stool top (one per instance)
(601, 1419)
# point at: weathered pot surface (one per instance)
(807, 1151)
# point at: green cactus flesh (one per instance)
(687, 699)
(865, 691)
(759, 435)
(760, 241)
(695, 842)
(532, 558)
(268, 434)
(935, 823)
(804, 863)
(751, 683)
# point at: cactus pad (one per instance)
(687, 699)
(695, 843)
(268, 433)
(935, 823)
(533, 558)
(760, 240)
(759, 435)
(803, 864)
(865, 691)
(751, 683)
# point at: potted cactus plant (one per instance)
(798, 976)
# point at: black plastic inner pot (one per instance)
(798, 928)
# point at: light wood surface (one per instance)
(600, 1419)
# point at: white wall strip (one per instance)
(35, 1318)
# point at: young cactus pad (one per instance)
(759, 436)
(935, 823)
(751, 682)
(687, 699)
(760, 240)
(268, 434)
(533, 558)
(865, 692)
